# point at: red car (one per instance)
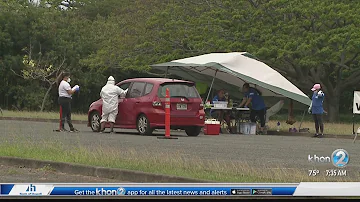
(143, 107)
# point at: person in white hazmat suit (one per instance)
(110, 95)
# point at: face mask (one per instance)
(68, 80)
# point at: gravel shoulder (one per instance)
(43, 175)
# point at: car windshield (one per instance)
(181, 90)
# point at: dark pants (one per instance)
(65, 104)
(258, 115)
(318, 119)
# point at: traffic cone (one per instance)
(167, 117)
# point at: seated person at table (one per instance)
(226, 95)
(218, 113)
(258, 108)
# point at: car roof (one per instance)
(156, 80)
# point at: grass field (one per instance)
(344, 128)
(330, 128)
(171, 163)
(44, 115)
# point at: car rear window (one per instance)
(179, 90)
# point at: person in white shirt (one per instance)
(65, 93)
(110, 96)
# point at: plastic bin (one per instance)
(220, 104)
(212, 127)
(247, 128)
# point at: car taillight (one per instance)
(201, 106)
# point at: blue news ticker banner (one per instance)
(158, 191)
(139, 190)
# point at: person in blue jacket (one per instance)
(258, 108)
(218, 113)
(317, 110)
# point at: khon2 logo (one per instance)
(121, 191)
(339, 158)
(110, 192)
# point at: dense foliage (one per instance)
(307, 41)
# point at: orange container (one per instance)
(212, 127)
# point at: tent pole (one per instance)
(302, 119)
(353, 122)
(354, 128)
(212, 82)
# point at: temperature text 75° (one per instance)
(314, 172)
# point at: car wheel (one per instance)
(193, 130)
(95, 121)
(143, 125)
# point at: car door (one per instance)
(133, 102)
(146, 101)
(122, 105)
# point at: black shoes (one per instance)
(74, 130)
(319, 135)
(260, 133)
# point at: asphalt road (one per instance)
(257, 151)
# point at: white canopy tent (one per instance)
(234, 69)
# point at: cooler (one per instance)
(212, 127)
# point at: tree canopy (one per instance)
(307, 41)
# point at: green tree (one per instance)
(42, 60)
(310, 42)
(307, 41)
(13, 34)
(122, 36)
